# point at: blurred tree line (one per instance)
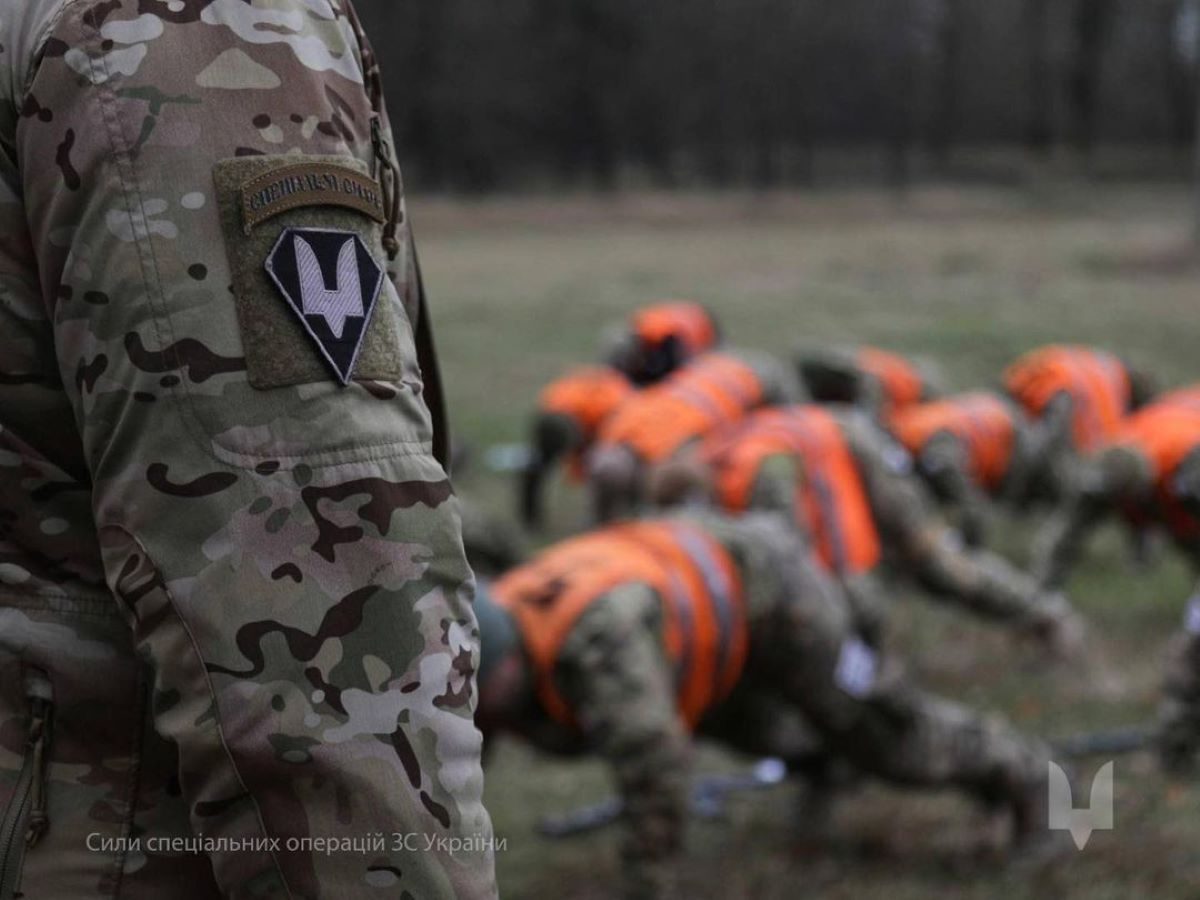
(747, 92)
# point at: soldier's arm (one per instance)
(285, 549)
(1061, 541)
(553, 436)
(619, 685)
(944, 461)
(979, 581)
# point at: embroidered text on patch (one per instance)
(332, 283)
(309, 184)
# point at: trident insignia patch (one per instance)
(331, 282)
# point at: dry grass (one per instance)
(969, 279)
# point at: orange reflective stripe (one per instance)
(712, 391)
(689, 322)
(722, 385)
(1106, 396)
(991, 435)
(902, 383)
(830, 494)
(981, 421)
(734, 455)
(1165, 435)
(588, 395)
(705, 633)
(1097, 382)
(836, 494)
(706, 630)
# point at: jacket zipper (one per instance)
(25, 820)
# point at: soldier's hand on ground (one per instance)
(1062, 638)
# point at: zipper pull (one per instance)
(389, 181)
(41, 706)
(39, 737)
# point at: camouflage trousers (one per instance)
(865, 709)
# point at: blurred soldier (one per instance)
(973, 449)
(655, 341)
(714, 390)
(623, 641)
(875, 379)
(847, 486)
(236, 633)
(1150, 474)
(569, 415)
(1086, 391)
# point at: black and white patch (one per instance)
(331, 281)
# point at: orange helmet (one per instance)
(666, 335)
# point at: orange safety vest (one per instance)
(588, 396)
(830, 495)
(705, 632)
(685, 320)
(982, 422)
(1186, 397)
(1165, 436)
(902, 383)
(712, 391)
(1097, 382)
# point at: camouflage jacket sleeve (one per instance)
(552, 437)
(1105, 480)
(286, 549)
(979, 581)
(616, 678)
(944, 462)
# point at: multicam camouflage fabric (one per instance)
(286, 563)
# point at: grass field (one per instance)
(969, 279)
